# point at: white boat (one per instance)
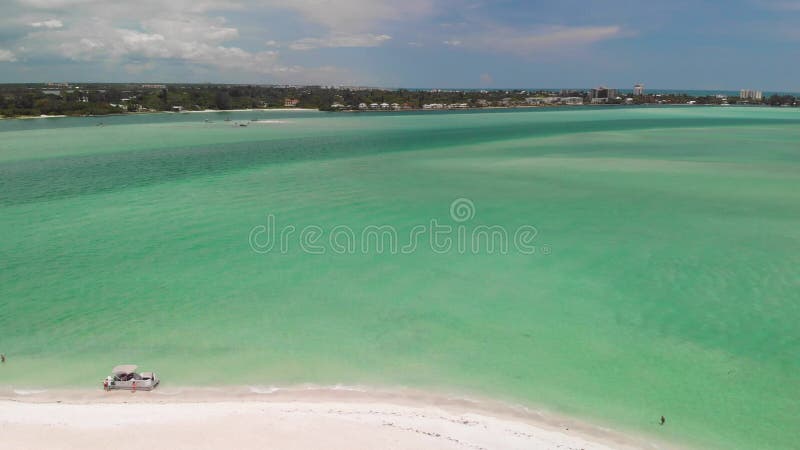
(125, 377)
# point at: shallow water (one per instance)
(663, 281)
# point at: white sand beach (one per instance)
(297, 418)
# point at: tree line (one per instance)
(97, 99)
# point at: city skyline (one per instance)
(413, 44)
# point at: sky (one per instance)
(678, 44)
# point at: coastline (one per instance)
(305, 416)
(59, 116)
(383, 111)
(234, 110)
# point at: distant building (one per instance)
(602, 94)
(638, 90)
(154, 86)
(572, 100)
(542, 100)
(750, 94)
(569, 93)
(290, 102)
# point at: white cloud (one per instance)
(118, 44)
(7, 56)
(141, 35)
(340, 40)
(543, 39)
(191, 29)
(195, 39)
(137, 52)
(54, 4)
(358, 15)
(52, 23)
(139, 9)
(134, 36)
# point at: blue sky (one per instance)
(726, 45)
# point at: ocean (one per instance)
(614, 264)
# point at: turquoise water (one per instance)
(664, 279)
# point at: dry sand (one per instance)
(289, 418)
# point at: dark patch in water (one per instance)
(30, 181)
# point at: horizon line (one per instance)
(417, 88)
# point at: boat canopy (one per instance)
(124, 369)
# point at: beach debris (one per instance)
(663, 420)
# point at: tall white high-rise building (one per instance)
(638, 89)
(750, 94)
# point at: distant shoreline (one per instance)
(61, 116)
(484, 108)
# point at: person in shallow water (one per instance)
(663, 420)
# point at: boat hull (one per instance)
(137, 385)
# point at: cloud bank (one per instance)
(437, 43)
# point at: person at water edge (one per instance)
(2, 357)
(663, 420)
